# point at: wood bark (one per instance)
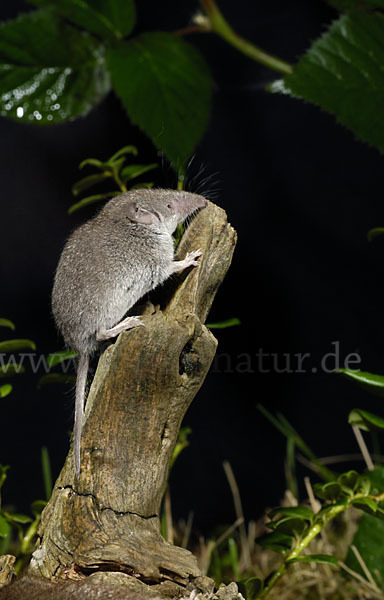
(108, 519)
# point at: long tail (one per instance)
(81, 380)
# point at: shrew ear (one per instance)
(137, 214)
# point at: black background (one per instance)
(302, 194)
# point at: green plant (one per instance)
(61, 60)
(11, 368)
(115, 169)
(24, 526)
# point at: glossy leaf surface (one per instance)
(49, 71)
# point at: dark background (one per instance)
(302, 194)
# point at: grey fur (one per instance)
(108, 264)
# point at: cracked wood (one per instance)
(108, 520)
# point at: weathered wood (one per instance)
(108, 520)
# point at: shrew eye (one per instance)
(169, 206)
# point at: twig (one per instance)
(239, 513)
(363, 448)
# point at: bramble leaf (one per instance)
(106, 18)
(173, 105)
(342, 73)
(49, 71)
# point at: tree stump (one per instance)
(108, 519)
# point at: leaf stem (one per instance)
(219, 25)
(312, 532)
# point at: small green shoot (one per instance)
(114, 169)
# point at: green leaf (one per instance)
(4, 527)
(279, 542)
(250, 588)
(6, 323)
(124, 150)
(365, 420)
(350, 479)
(369, 381)
(365, 485)
(375, 232)
(49, 71)
(366, 504)
(16, 345)
(17, 518)
(89, 181)
(37, 507)
(11, 369)
(131, 171)
(91, 200)
(5, 390)
(56, 378)
(292, 526)
(302, 512)
(224, 324)
(165, 87)
(369, 542)
(106, 18)
(93, 162)
(317, 558)
(342, 73)
(328, 491)
(57, 358)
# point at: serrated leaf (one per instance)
(6, 323)
(342, 73)
(4, 527)
(279, 542)
(91, 200)
(106, 18)
(224, 324)
(5, 390)
(250, 588)
(372, 383)
(56, 378)
(165, 87)
(16, 345)
(56, 358)
(317, 558)
(131, 171)
(89, 181)
(50, 72)
(301, 512)
(365, 420)
(374, 233)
